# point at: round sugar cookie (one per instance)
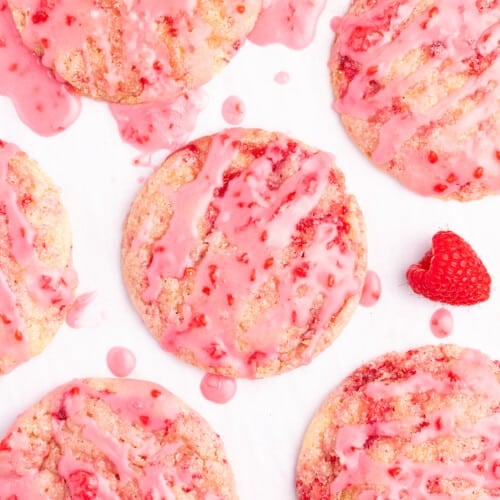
(418, 425)
(37, 281)
(417, 84)
(134, 52)
(243, 254)
(109, 438)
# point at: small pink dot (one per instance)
(217, 388)
(121, 361)
(441, 323)
(282, 77)
(371, 289)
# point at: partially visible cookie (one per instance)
(134, 52)
(243, 253)
(418, 425)
(37, 281)
(417, 84)
(113, 439)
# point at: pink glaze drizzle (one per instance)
(147, 406)
(288, 22)
(158, 125)
(65, 27)
(456, 39)
(233, 110)
(79, 314)
(282, 77)
(401, 477)
(260, 223)
(372, 289)
(441, 323)
(42, 103)
(47, 287)
(121, 361)
(217, 388)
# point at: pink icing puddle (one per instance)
(217, 388)
(158, 125)
(282, 77)
(121, 361)
(233, 110)
(441, 323)
(458, 43)
(42, 103)
(289, 22)
(84, 313)
(371, 289)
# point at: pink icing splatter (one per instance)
(42, 103)
(288, 22)
(217, 388)
(83, 312)
(260, 222)
(121, 361)
(459, 41)
(372, 289)
(282, 77)
(233, 110)
(158, 125)
(441, 323)
(401, 477)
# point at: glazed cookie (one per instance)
(134, 52)
(417, 83)
(418, 425)
(37, 281)
(243, 253)
(113, 439)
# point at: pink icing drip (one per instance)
(81, 315)
(403, 476)
(158, 125)
(121, 361)
(289, 22)
(441, 323)
(47, 287)
(461, 39)
(43, 104)
(282, 77)
(233, 110)
(218, 388)
(372, 289)
(226, 280)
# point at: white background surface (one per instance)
(262, 426)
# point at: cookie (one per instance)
(243, 254)
(134, 52)
(418, 89)
(37, 281)
(110, 439)
(417, 425)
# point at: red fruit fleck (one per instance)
(451, 178)
(268, 263)
(70, 20)
(230, 299)
(373, 88)
(144, 419)
(348, 67)
(451, 272)
(240, 9)
(432, 157)
(83, 485)
(435, 48)
(394, 471)
(206, 290)
(199, 320)
(212, 273)
(371, 70)
(40, 16)
(157, 66)
(486, 4)
(497, 154)
(215, 351)
(364, 37)
(155, 393)
(256, 357)
(440, 188)
(74, 391)
(252, 275)
(478, 173)
(330, 280)
(5, 319)
(18, 336)
(45, 42)
(301, 270)
(61, 414)
(263, 236)
(4, 446)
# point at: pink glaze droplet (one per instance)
(441, 323)
(371, 289)
(121, 361)
(289, 22)
(158, 125)
(80, 315)
(282, 78)
(217, 388)
(42, 103)
(233, 110)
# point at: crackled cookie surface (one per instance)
(113, 439)
(417, 84)
(37, 281)
(243, 253)
(418, 425)
(139, 51)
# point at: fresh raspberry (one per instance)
(83, 485)
(450, 272)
